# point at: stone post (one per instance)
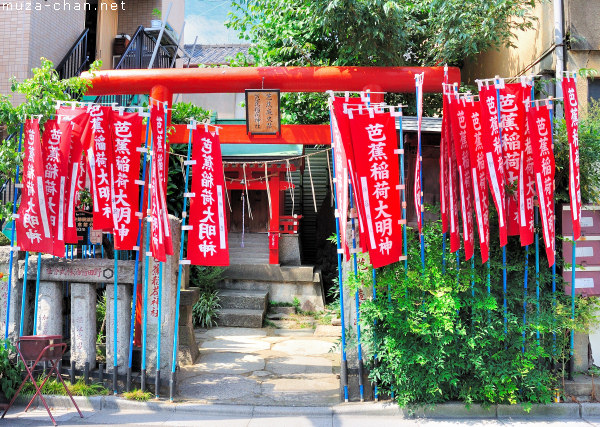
(124, 294)
(188, 348)
(15, 298)
(169, 295)
(50, 309)
(83, 324)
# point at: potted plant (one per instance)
(156, 23)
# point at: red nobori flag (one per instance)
(101, 161)
(540, 128)
(79, 120)
(444, 140)
(461, 148)
(374, 137)
(342, 110)
(418, 187)
(207, 241)
(341, 181)
(126, 139)
(33, 225)
(55, 151)
(162, 244)
(452, 176)
(569, 86)
(526, 183)
(512, 113)
(480, 189)
(493, 154)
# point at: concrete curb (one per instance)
(449, 410)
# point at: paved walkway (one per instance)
(264, 367)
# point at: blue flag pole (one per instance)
(147, 254)
(344, 364)
(419, 82)
(115, 311)
(537, 274)
(551, 113)
(357, 305)
(504, 273)
(137, 259)
(12, 253)
(191, 128)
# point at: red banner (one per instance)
(526, 183)
(342, 121)
(80, 133)
(569, 86)
(452, 176)
(341, 181)
(126, 139)
(480, 188)
(162, 244)
(374, 137)
(33, 225)
(101, 162)
(444, 140)
(541, 140)
(418, 187)
(55, 153)
(461, 148)
(493, 154)
(512, 113)
(207, 242)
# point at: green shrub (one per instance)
(55, 387)
(10, 369)
(138, 395)
(206, 310)
(439, 336)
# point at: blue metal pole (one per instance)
(357, 305)
(180, 268)
(525, 279)
(115, 311)
(504, 273)
(12, 248)
(537, 273)
(137, 261)
(158, 329)
(344, 364)
(24, 296)
(375, 390)
(572, 337)
(146, 269)
(403, 192)
(551, 113)
(422, 238)
(37, 291)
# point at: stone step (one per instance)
(240, 318)
(235, 285)
(244, 299)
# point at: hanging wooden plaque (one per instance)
(263, 113)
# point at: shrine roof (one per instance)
(260, 151)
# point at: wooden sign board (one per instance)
(263, 114)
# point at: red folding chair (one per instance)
(33, 350)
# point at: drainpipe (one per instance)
(559, 48)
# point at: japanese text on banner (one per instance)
(572, 119)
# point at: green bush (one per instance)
(206, 309)
(10, 369)
(439, 336)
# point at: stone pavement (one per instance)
(248, 366)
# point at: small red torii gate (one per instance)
(161, 84)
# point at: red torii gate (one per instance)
(161, 84)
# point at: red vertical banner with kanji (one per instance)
(493, 155)
(207, 241)
(341, 181)
(444, 139)
(101, 160)
(162, 244)
(512, 113)
(452, 175)
(480, 188)
(342, 109)
(418, 187)
(526, 182)
(569, 86)
(126, 139)
(79, 121)
(56, 142)
(377, 169)
(33, 224)
(540, 128)
(463, 163)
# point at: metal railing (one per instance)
(139, 53)
(76, 59)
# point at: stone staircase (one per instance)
(243, 306)
(255, 250)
